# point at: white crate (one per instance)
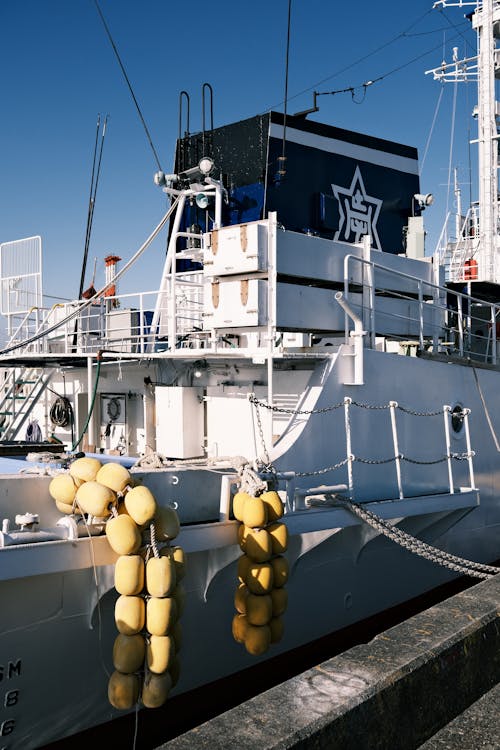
(235, 249)
(238, 303)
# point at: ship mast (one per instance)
(485, 19)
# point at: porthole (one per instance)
(457, 419)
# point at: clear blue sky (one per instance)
(58, 71)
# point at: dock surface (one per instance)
(430, 682)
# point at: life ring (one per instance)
(113, 409)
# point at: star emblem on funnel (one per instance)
(358, 212)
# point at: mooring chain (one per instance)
(397, 535)
(265, 466)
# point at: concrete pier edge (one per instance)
(394, 692)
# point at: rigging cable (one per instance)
(359, 60)
(364, 86)
(427, 144)
(129, 85)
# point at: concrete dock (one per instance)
(430, 682)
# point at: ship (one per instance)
(302, 345)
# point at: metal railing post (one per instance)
(393, 406)
(446, 415)
(350, 457)
(466, 413)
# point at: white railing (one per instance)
(120, 323)
(433, 317)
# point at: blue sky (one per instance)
(58, 71)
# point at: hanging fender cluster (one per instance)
(260, 598)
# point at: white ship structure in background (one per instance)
(300, 342)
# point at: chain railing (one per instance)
(397, 457)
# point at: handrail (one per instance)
(464, 303)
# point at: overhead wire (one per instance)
(427, 144)
(373, 52)
(115, 50)
(371, 82)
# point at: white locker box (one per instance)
(229, 304)
(236, 249)
(179, 421)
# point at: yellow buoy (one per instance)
(140, 505)
(129, 575)
(179, 557)
(84, 470)
(239, 628)
(63, 489)
(239, 501)
(259, 609)
(161, 615)
(64, 508)
(243, 564)
(257, 639)
(123, 535)
(113, 475)
(160, 576)
(167, 523)
(128, 653)
(279, 599)
(179, 594)
(240, 598)
(260, 578)
(130, 614)
(123, 690)
(280, 571)
(277, 628)
(259, 545)
(273, 504)
(255, 513)
(159, 651)
(95, 498)
(156, 689)
(243, 532)
(279, 537)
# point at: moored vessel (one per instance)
(295, 346)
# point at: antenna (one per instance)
(92, 197)
(282, 158)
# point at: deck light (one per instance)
(424, 200)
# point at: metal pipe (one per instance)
(357, 336)
(90, 388)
